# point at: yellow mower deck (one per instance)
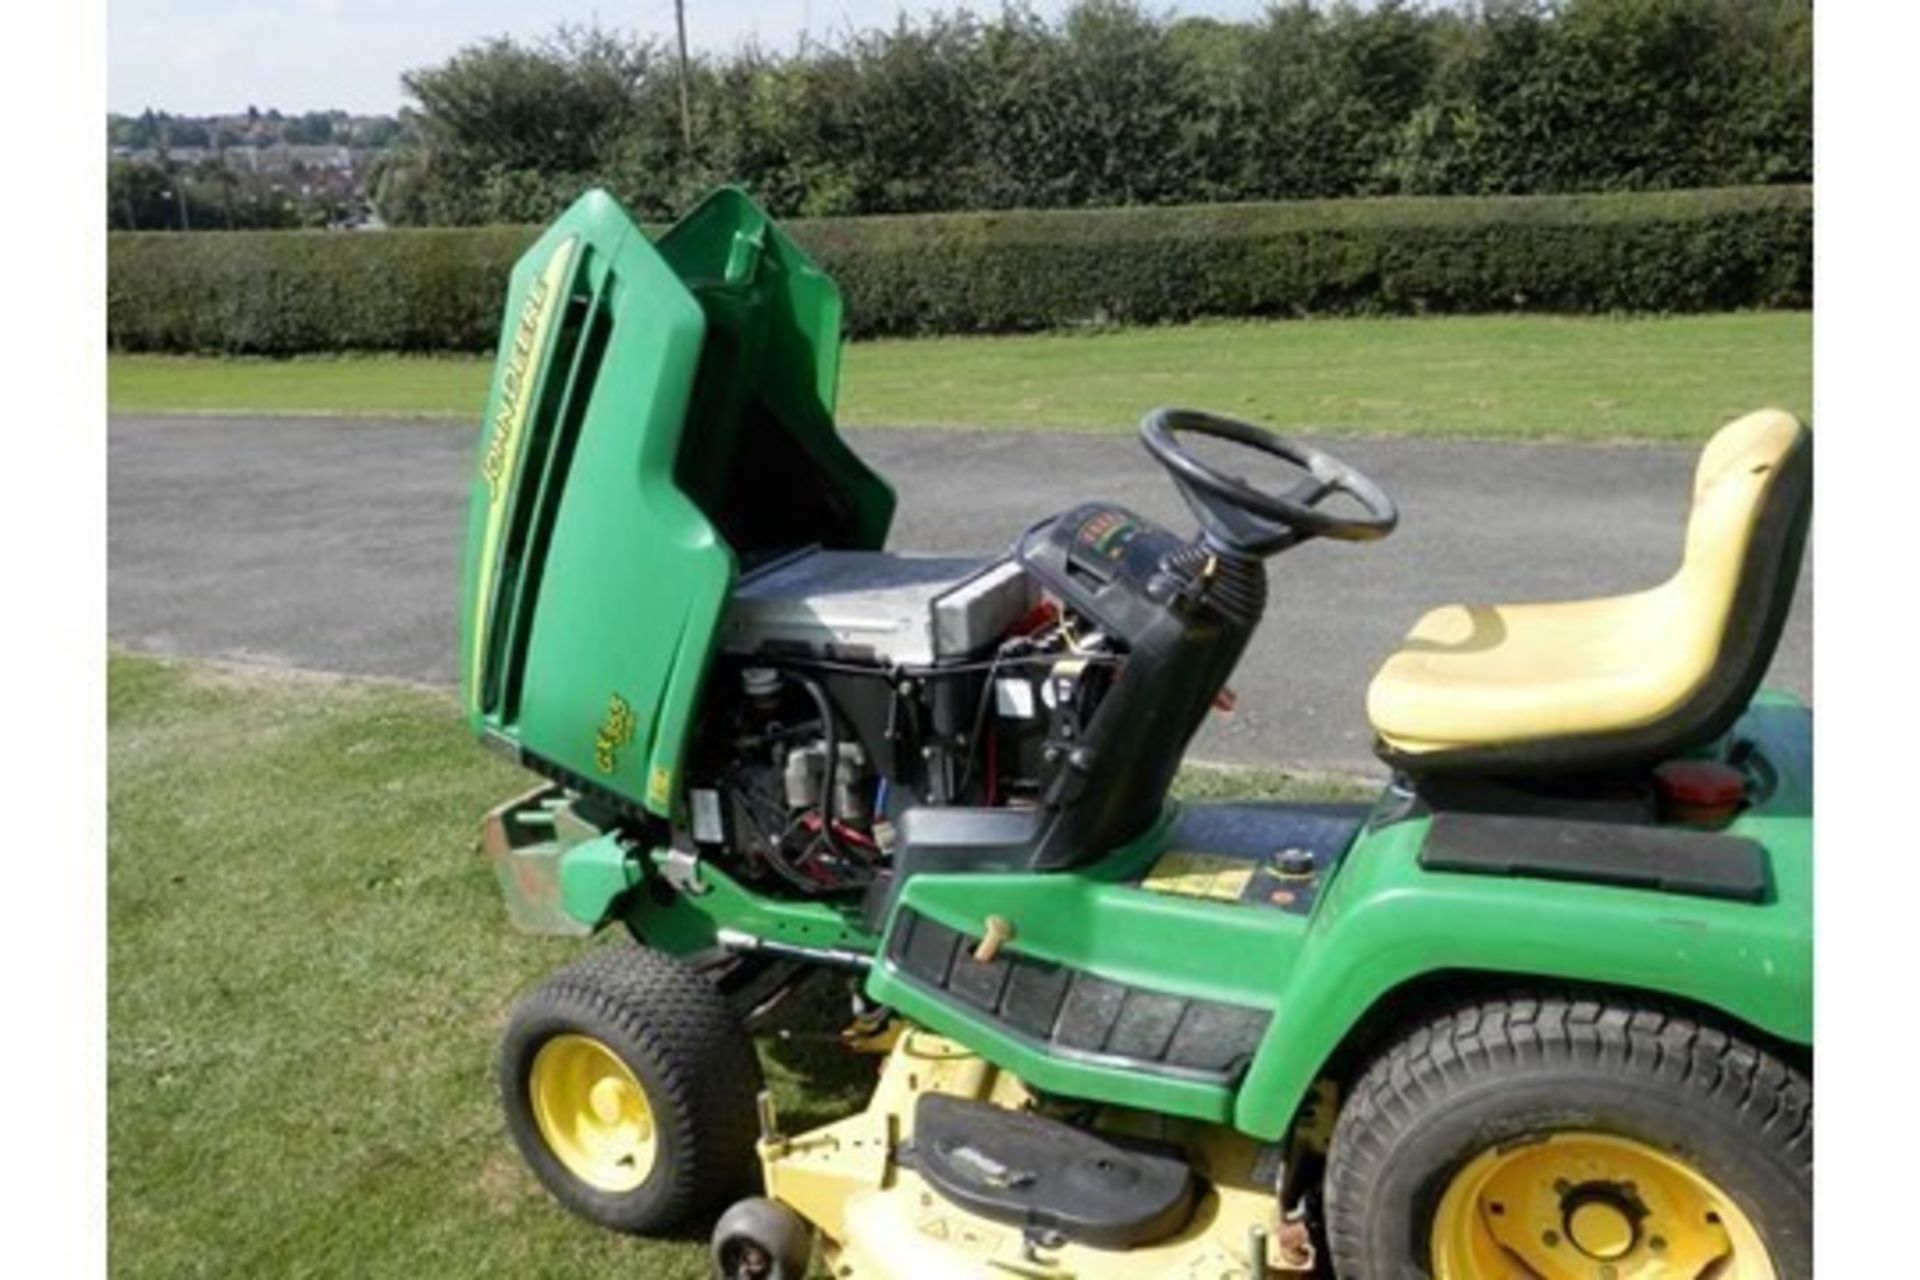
(879, 1221)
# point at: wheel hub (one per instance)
(592, 1113)
(1599, 1227)
(609, 1098)
(1588, 1206)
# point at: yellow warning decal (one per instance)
(660, 787)
(615, 732)
(1200, 875)
(962, 1232)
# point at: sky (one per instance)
(201, 57)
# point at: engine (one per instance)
(852, 686)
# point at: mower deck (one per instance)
(880, 1219)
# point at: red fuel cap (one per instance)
(1700, 790)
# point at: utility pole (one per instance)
(686, 101)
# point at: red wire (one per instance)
(993, 766)
(812, 823)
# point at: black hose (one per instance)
(979, 727)
(830, 735)
(749, 741)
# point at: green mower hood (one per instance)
(661, 416)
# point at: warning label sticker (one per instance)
(1200, 875)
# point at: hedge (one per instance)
(281, 292)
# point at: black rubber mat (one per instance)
(1668, 859)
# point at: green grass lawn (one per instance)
(1538, 377)
(308, 970)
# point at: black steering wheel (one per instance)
(1254, 521)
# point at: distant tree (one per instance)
(143, 131)
(223, 183)
(182, 132)
(1110, 102)
(376, 132)
(1332, 88)
(398, 187)
(315, 128)
(147, 197)
(1086, 113)
(1215, 84)
(133, 193)
(551, 107)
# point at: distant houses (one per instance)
(245, 168)
(274, 158)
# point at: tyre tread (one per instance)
(1489, 1038)
(705, 1064)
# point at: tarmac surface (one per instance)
(335, 544)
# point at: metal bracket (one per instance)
(681, 869)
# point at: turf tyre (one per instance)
(675, 1032)
(1497, 1071)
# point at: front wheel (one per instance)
(629, 1088)
(1561, 1138)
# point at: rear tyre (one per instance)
(629, 1088)
(1556, 1136)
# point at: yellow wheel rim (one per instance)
(1589, 1206)
(593, 1113)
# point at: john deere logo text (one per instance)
(517, 374)
(506, 436)
(616, 731)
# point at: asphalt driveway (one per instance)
(335, 544)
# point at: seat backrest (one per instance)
(1752, 502)
(1740, 467)
(1710, 631)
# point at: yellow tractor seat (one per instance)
(1623, 682)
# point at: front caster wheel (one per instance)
(629, 1088)
(759, 1239)
(1561, 1138)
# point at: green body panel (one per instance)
(1385, 922)
(1095, 920)
(773, 346)
(686, 923)
(596, 580)
(593, 874)
(1380, 923)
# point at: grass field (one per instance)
(1473, 376)
(308, 969)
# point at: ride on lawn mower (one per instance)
(1542, 1009)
